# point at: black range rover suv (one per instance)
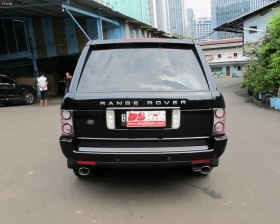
(11, 92)
(142, 103)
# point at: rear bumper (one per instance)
(153, 156)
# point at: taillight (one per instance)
(219, 113)
(67, 129)
(66, 122)
(219, 121)
(66, 114)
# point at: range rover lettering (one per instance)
(142, 103)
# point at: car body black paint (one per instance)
(12, 91)
(142, 146)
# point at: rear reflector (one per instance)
(90, 163)
(200, 161)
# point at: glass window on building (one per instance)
(14, 31)
(216, 69)
(20, 35)
(10, 35)
(3, 44)
(253, 29)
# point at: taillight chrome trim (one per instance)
(219, 119)
(64, 118)
(223, 128)
(71, 129)
(67, 121)
(223, 114)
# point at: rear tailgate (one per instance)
(195, 117)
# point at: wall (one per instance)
(237, 49)
(58, 36)
(233, 69)
(260, 22)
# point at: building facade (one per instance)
(137, 9)
(171, 16)
(152, 13)
(224, 10)
(32, 41)
(177, 10)
(191, 30)
(203, 29)
(160, 14)
(252, 26)
(225, 57)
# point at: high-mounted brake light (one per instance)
(219, 121)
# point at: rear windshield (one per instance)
(142, 69)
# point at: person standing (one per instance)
(67, 80)
(42, 83)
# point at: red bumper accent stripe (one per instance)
(90, 163)
(200, 161)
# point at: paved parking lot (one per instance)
(37, 187)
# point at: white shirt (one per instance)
(42, 81)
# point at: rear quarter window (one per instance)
(142, 69)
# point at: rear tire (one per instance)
(28, 98)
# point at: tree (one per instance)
(263, 68)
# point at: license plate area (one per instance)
(143, 119)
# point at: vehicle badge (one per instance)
(90, 122)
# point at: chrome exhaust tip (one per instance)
(84, 171)
(196, 168)
(205, 169)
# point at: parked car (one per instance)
(142, 103)
(12, 91)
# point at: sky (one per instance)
(201, 8)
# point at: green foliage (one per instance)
(263, 68)
(180, 36)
